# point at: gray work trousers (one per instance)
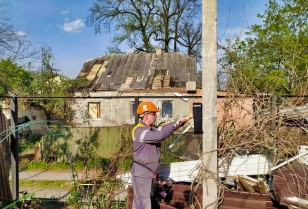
(142, 192)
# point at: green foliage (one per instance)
(40, 165)
(49, 83)
(47, 80)
(274, 56)
(97, 163)
(13, 78)
(128, 163)
(44, 183)
(96, 194)
(26, 144)
(102, 192)
(78, 164)
(167, 156)
(43, 165)
(75, 197)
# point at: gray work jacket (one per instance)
(146, 147)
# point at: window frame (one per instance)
(98, 110)
(162, 109)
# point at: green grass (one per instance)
(25, 144)
(44, 183)
(91, 163)
(42, 165)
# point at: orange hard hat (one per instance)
(146, 106)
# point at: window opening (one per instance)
(167, 109)
(94, 110)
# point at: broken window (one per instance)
(167, 109)
(94, 110)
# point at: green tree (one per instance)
(49, 83)
(14, 48)
(274, 56)
(13, 78)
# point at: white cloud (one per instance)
(73, 26)
(21, 33)
(65, 12)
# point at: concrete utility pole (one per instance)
(209, 96)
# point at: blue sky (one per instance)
(61, 25)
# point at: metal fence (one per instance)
(95, 133)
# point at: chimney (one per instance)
(158, 52)
(191, 86)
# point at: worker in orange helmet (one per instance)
(147, 152)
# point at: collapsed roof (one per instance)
(139, 71)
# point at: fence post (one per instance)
(14, 149)
(136, 115)
(5, 190)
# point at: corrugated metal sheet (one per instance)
(180, 195)
(138, 71)
(291, 185)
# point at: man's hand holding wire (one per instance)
(180, 122)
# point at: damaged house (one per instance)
(114, 81)
(125, 76)
(108, 99)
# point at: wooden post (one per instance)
(5, 190)
(209, 97)
(274, 111)
(136, 115)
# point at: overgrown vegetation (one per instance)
(273, 58)
(44, 183)
(271, 61)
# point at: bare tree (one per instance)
(133, 18)
(13, 43)
(190, 36)
(144, 23)
(172, 14)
